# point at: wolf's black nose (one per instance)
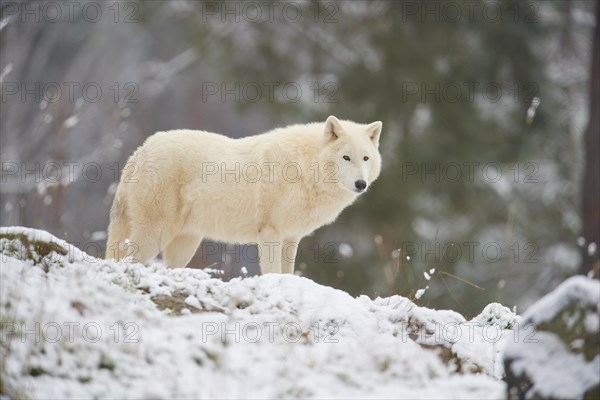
(360, 185)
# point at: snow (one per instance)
(535, 102)
(576, 289)
(81, 327)
(421, 292)
(193, 301)
(98, 235)
(592, 322)
(565, 375)
(591, 250)
(554, 369)
(497, 314)
(71, 121)
(346, 250)
(9, 67)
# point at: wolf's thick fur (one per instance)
(271, 189)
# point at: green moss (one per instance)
(36, 371)
(569, 325)
(592, 393)
(35, 250)
(106, 363)
(174, 303)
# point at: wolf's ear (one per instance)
(333, 128)
(374, 131)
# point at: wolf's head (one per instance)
(351, 153)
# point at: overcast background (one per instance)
(485, 107)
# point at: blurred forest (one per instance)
(485, 107)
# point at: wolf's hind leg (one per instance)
(181, 249)
(145, 243)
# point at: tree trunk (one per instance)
(590, 207)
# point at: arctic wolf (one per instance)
(271, 189)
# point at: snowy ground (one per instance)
(78, 327)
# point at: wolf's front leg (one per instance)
(288, 255)
(270, 257)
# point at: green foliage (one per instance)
(391, 53)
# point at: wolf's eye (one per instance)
(346, 158)
(366, 158)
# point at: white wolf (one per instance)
(271, 189)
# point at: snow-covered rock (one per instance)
(556, 353)
(74, 326)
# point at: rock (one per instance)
(556, 353)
